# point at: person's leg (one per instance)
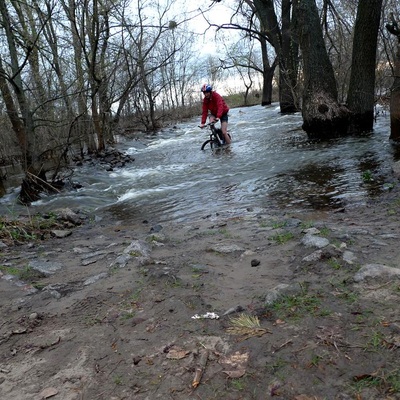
(224, 128)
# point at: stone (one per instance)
(376, 271)
(95, 278)
(61, 234)
(226, 248)
(280, 290)
(349, 257)
(45, 267)
(315, 256)
(314, 241)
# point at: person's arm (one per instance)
(204, 113)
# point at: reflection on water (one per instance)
(270, 164)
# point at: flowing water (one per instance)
(270, 165)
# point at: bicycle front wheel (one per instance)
(212, 143)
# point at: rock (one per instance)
(312, 231)
(233, 310)
(138, 248)
(67, 214)
(375, 271)
(293, 222)
(47, 393)
(58, 290)
(61, 234)
(156, 228)
(121, 261)
(281, 290)
(156, 237)
(226, 248)
(95, 278)
(315, 256)
(310, 240)
(349, 257)
(396, 168)
(44, 266)
(91, 258)
(255, 262)
(33, 316)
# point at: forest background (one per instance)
(76, 74)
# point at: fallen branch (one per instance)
(201, 366)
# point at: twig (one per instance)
(119, 362)
(201, 366)
(283, 345)
(44, 183)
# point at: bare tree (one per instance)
(20, 110)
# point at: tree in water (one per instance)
(361, 92)
(322, 115)
(394, 29)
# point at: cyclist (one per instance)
(215, 103)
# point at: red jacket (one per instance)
(217, 106)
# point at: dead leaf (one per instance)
(177, 353)
(235, 364)
(235, 359)
(235, 374)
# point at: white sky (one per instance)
(216, 13)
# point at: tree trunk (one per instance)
(288, 63)
(12, 111)
(395, 100)
(268, 73)
(25, 137)
(77, 26)
(395, 91)
(361, 94)
(323, 117)
(281, 41)
(268, 76)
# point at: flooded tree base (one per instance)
(33, 185)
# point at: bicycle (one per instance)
(216, 139)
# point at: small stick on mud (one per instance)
(201, 366)
(282, 345)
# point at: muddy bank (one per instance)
(264, 305)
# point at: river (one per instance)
(271, 164)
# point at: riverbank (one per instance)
(297, 306)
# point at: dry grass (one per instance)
(246, 326)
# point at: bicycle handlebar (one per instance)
(209, 124)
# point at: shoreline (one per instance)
(113, 316)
